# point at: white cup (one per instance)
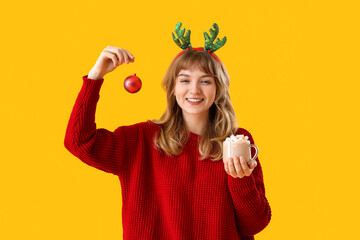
(240, 148)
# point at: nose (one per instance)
(195, 88)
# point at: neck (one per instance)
(196, 123)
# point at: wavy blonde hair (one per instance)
(173, 133)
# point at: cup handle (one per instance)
(256, 153)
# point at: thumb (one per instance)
(253, 164)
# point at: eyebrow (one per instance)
(186, 75)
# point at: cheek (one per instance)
(179, 91)
(212, 93)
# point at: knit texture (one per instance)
(163, 197)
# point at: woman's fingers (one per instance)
(124, 57)
(238, 167)
(121, 54)
(233, 168)
(226, 166)
(130, 55)
(253, 164)
(111, 56)
(112, 51)
(245, 167)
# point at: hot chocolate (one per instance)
(238, 145)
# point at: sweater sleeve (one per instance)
(98, 148)
(252, 209)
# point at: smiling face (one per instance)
(195, 92)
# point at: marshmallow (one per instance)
(238, 139)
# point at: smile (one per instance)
(194, 99)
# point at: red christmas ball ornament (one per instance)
(132, 83)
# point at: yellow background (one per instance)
(294, 68)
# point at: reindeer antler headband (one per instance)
(210, 47)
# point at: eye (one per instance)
(184, 80)
(206, 81)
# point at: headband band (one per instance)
(199, 49)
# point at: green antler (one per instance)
(209, 45)
(180, 33)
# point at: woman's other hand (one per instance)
(237, 167)
(109, 59)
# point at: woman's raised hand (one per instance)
(109, 59)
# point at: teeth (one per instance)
(194, 100)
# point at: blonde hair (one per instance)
(173, 133)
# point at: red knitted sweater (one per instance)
(164, 197)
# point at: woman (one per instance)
(173, 180)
